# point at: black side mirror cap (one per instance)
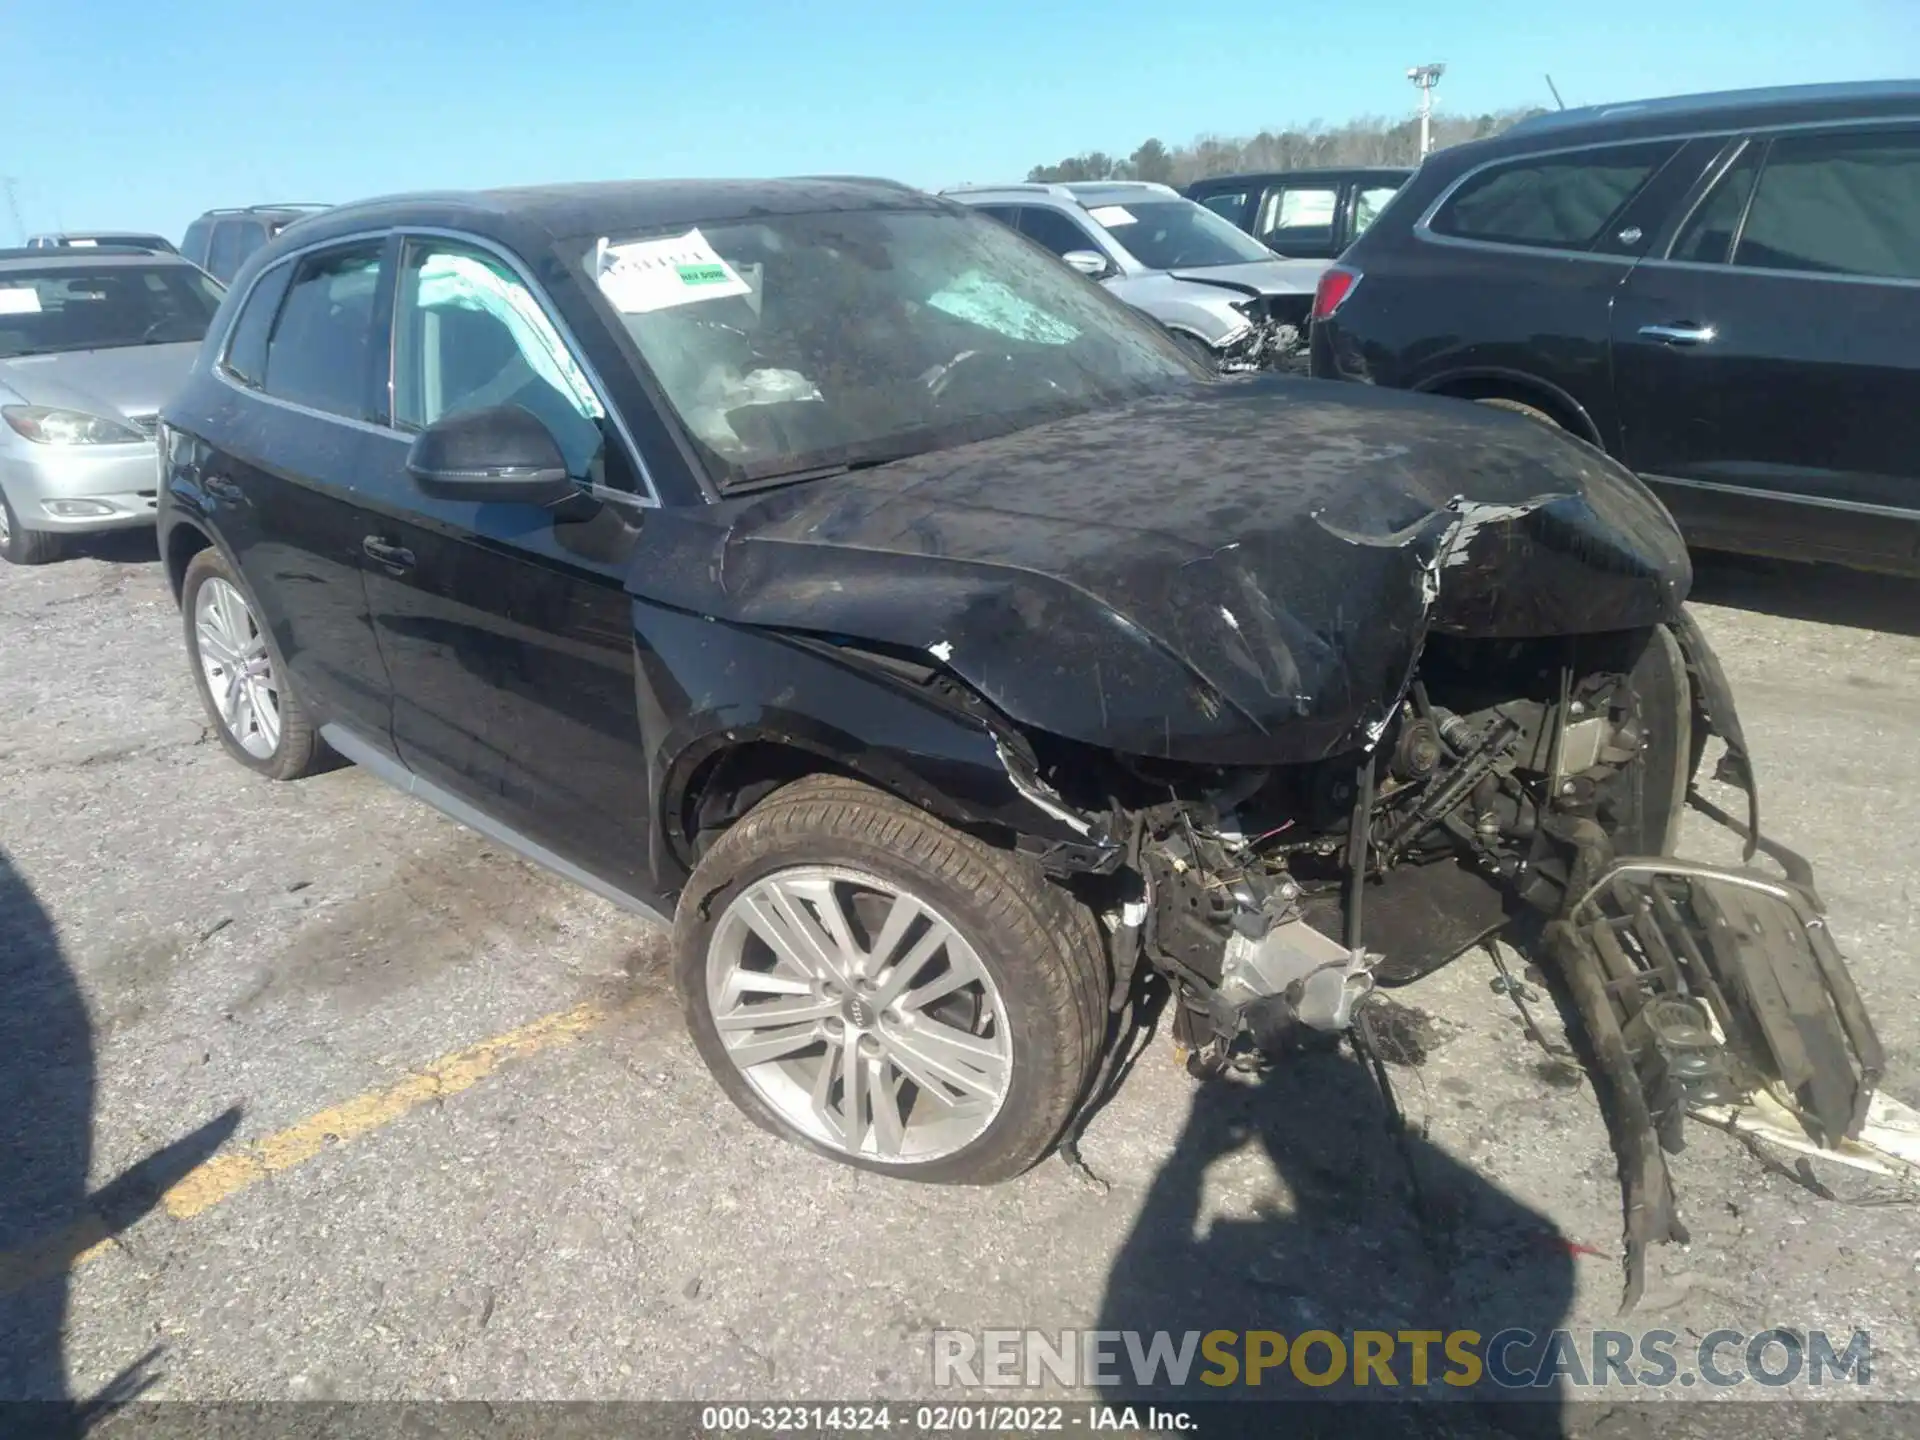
(503, 454)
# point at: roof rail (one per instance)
(54, 253)
(257, 209)
(1027, 187)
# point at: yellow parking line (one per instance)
(226, 1175)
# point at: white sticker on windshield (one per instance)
(1108, 216)
(19, 300)
(645, 275)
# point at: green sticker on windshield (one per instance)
(703, 274)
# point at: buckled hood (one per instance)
(1240, 573)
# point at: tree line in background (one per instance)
(1371, 140)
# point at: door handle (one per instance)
(1679, 334)
(394, 557)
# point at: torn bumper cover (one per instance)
(1710, 991)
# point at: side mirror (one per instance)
(502, 454)
(1090, 263)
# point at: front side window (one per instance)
(320, 348)
(470, 335)
(1055, 231)
(1837, 205)
(103, 307)
(1298, 217)
(789, 344)
(1554, 201)
(1177, 235)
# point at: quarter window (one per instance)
(247, 347)
(1837, 205)
(320, 346)
(1556, 201)
(471, 335)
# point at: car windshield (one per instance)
(1177, 235)
(795, 343)
(103, 307)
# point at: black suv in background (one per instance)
(1722, 291)
(1302, 214)
(220, 240)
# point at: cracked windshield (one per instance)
(840, 339)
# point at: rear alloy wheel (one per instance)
(240, 674)
(21, 546)
(885, 990)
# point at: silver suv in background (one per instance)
(1221, 292)
(93, 341)
(90, 239)
(220, 240)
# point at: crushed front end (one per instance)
(1526, 789)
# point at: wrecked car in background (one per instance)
(965, 666)
(1224, 295)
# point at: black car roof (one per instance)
(1724, 109)
(618, 206)
(1311, 172)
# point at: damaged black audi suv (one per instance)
(957, 662)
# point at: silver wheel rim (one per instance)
(233, 655)
(859, 1014)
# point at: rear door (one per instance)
(507, 627)
(281, 487)
(1769, 354)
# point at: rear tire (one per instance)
(21, 546)
(259, 719)
(980, 1079)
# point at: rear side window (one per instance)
(1558, 202)
(1368, 202)
(321, 343)
(1837, 205)
(1707, 237)
(1298, 217)
(1227, 204)
(1054, 230)
(193, 244)
(233, 241)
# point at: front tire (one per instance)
(21, 546)
(241, 675)
(887, 991)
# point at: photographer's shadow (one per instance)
(1370, 1232)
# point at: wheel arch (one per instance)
(1489, 383)
(184, 540)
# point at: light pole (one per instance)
(1426, 77)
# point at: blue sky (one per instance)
(122, 112)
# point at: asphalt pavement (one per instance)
(306, 1093)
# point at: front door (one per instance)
(507, 627)
(1769, 357)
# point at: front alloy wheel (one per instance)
(859, 1014)
(866, 981)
